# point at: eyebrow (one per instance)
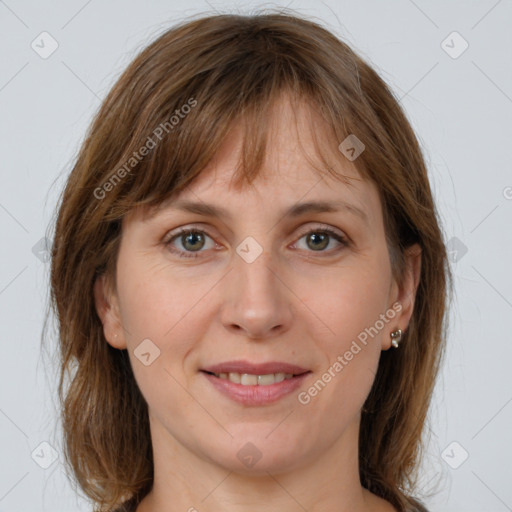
(296, 210)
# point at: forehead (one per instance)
(293, 170)
(295, 137)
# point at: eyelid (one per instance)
(303, 230)
(323, 227)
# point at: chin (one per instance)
(259, 455)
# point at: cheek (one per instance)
(157, 313)
(351, 302)
(159, 337)
(351, 306)
(157, 300)
(352, 351)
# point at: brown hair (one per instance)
(226, 68)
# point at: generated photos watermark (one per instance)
(304, 397)
(151, 142)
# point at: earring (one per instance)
(396, 337)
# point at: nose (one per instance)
(257, 301)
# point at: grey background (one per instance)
(461, 109)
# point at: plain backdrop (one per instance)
(448, 62)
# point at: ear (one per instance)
(404, 294)
(107, 308)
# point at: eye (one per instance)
(192, 241)
(318, 239)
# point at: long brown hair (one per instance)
(178, 99)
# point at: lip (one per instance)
(255, 368)
(255, 395)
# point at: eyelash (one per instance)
(189, 254)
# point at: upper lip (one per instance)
(255, 368)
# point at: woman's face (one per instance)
(257, 285)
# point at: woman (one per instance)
(250, 279)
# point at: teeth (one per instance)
(249, 380)
(246, 379)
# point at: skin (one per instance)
(294, 303)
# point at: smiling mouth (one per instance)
(259, 388)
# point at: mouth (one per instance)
(255, 384)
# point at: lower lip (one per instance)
(256, 395)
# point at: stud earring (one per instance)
(396, 337)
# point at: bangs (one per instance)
(178, 133)
(259, 126)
